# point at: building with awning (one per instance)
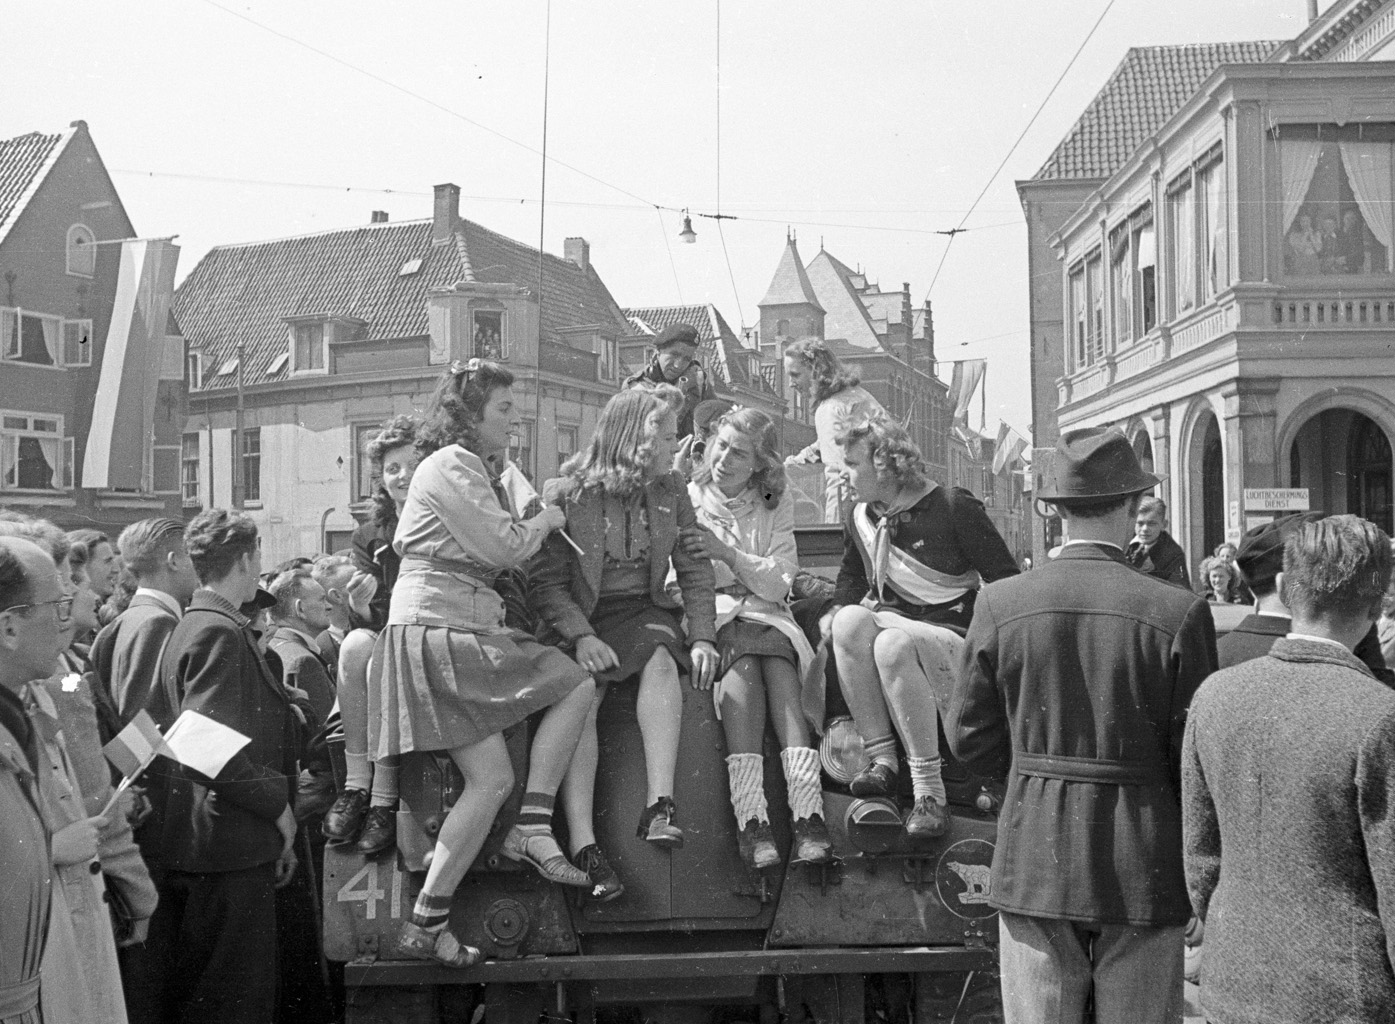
(92, 394)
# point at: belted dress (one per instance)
(446, 671)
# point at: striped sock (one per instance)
(882, 749)
(536, 813)
(431, 911)
(926, 779)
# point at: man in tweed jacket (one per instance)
(1288, 812)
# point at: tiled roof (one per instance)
(1150, 84)
(24, 161)
(718, 346)
(790, 285)
(846, 316)
(243, 292)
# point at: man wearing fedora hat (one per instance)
(1074, 688)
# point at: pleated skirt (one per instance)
(635, 628)
(438, 688)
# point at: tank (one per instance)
(891, 929)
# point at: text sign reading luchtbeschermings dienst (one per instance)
(1276, 499)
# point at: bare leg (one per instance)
(556, 741)
(743, 706)
(353, 707)
(488, 781)
(659, 707)
(786, 708)
(854, 636)
(579, 783)
(908, 693)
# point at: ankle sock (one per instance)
(384, 786)
(431, 911)
(801, 766)
(926, 779)
(536, 813)
(746, 773)
(882, 749)
(358, 772)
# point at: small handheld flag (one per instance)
(132, 750)
(200, 743)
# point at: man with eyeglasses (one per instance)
(35, 610)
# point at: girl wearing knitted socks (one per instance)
(625, 507)
(764, 659)
(447, 674)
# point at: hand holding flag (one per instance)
(132, 750)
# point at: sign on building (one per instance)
(1276, 499)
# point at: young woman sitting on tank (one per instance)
(738, 493)
(625, 508)
(448, 675)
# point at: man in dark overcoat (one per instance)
(1288, 780)
(1152, 549)
(227, 841)
(1074, 687)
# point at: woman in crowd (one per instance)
(625, 508)
(738, 494)
(840, 403)
(914, 557)
(1223, 585)
(448, 675)
(366, 812)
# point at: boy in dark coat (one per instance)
(1152, 549)
(1074, 686)
(1288, 763)
(675, 362)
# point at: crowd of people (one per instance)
(1144, 788)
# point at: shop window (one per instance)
(32, 452)
(82, 253)
(489, 335)
(1336, 199)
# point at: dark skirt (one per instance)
(740, 637)
(634, 628)
(437, 688)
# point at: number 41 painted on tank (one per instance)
(371, 892)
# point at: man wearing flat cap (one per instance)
(675, 362)
(1074, 687)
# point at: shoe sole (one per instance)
(825, 856)
(870, 790)
(665, 841)
(608, 897)
(927, 834)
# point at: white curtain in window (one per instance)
(1184, 245)
(1298, 159)
(1215, 256)
(1368, 167)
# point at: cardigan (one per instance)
(1288, 779)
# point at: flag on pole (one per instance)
(1010, 447)
(134, 747)
(968, 375)
(200, 743)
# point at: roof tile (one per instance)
(23, 163)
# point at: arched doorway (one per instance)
(1344, 459)
(1368, 472)
(1143, 448)
(1212, 488)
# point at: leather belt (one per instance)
(1100, 770)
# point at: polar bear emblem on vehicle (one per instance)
(976, 879)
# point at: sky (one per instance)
(864, 128)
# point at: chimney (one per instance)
(378, 217)
(578, 251)
(1312, 11)
(446, 215)
(930, 336)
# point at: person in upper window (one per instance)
(1152, 549)
(765, 661)
(1304, 248)
(840, 403)
(626, 509)
(675, 362)
(914, 556)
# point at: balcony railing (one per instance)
(569, 362)
(1307, 312)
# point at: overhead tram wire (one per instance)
(740, 312)
(955, 232)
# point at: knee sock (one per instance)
(384, 785)
(882, 749)
(358, 771)
(431, 911)
(746, 773)
(801, 766)
(535, 816)
(926, 779)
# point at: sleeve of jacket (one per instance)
(1201, 830)
(852, 585)
(123, 866)
(770, 574)
(550, 590)
(1375, 770)
(208, 677)
(695, 577)
(368, 549)
(137, 672)
(978, 538)
(1193, 659)
(976, 723)
(463, 501)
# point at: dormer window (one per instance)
(488, 335)
(308, 347)
(82, 253)
(193, 370)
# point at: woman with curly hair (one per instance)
(365, 813)
(448, 674)
(840, 403)
(738, 493)
(914, 557)
(625, 508)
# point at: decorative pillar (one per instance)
(1251, 456)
